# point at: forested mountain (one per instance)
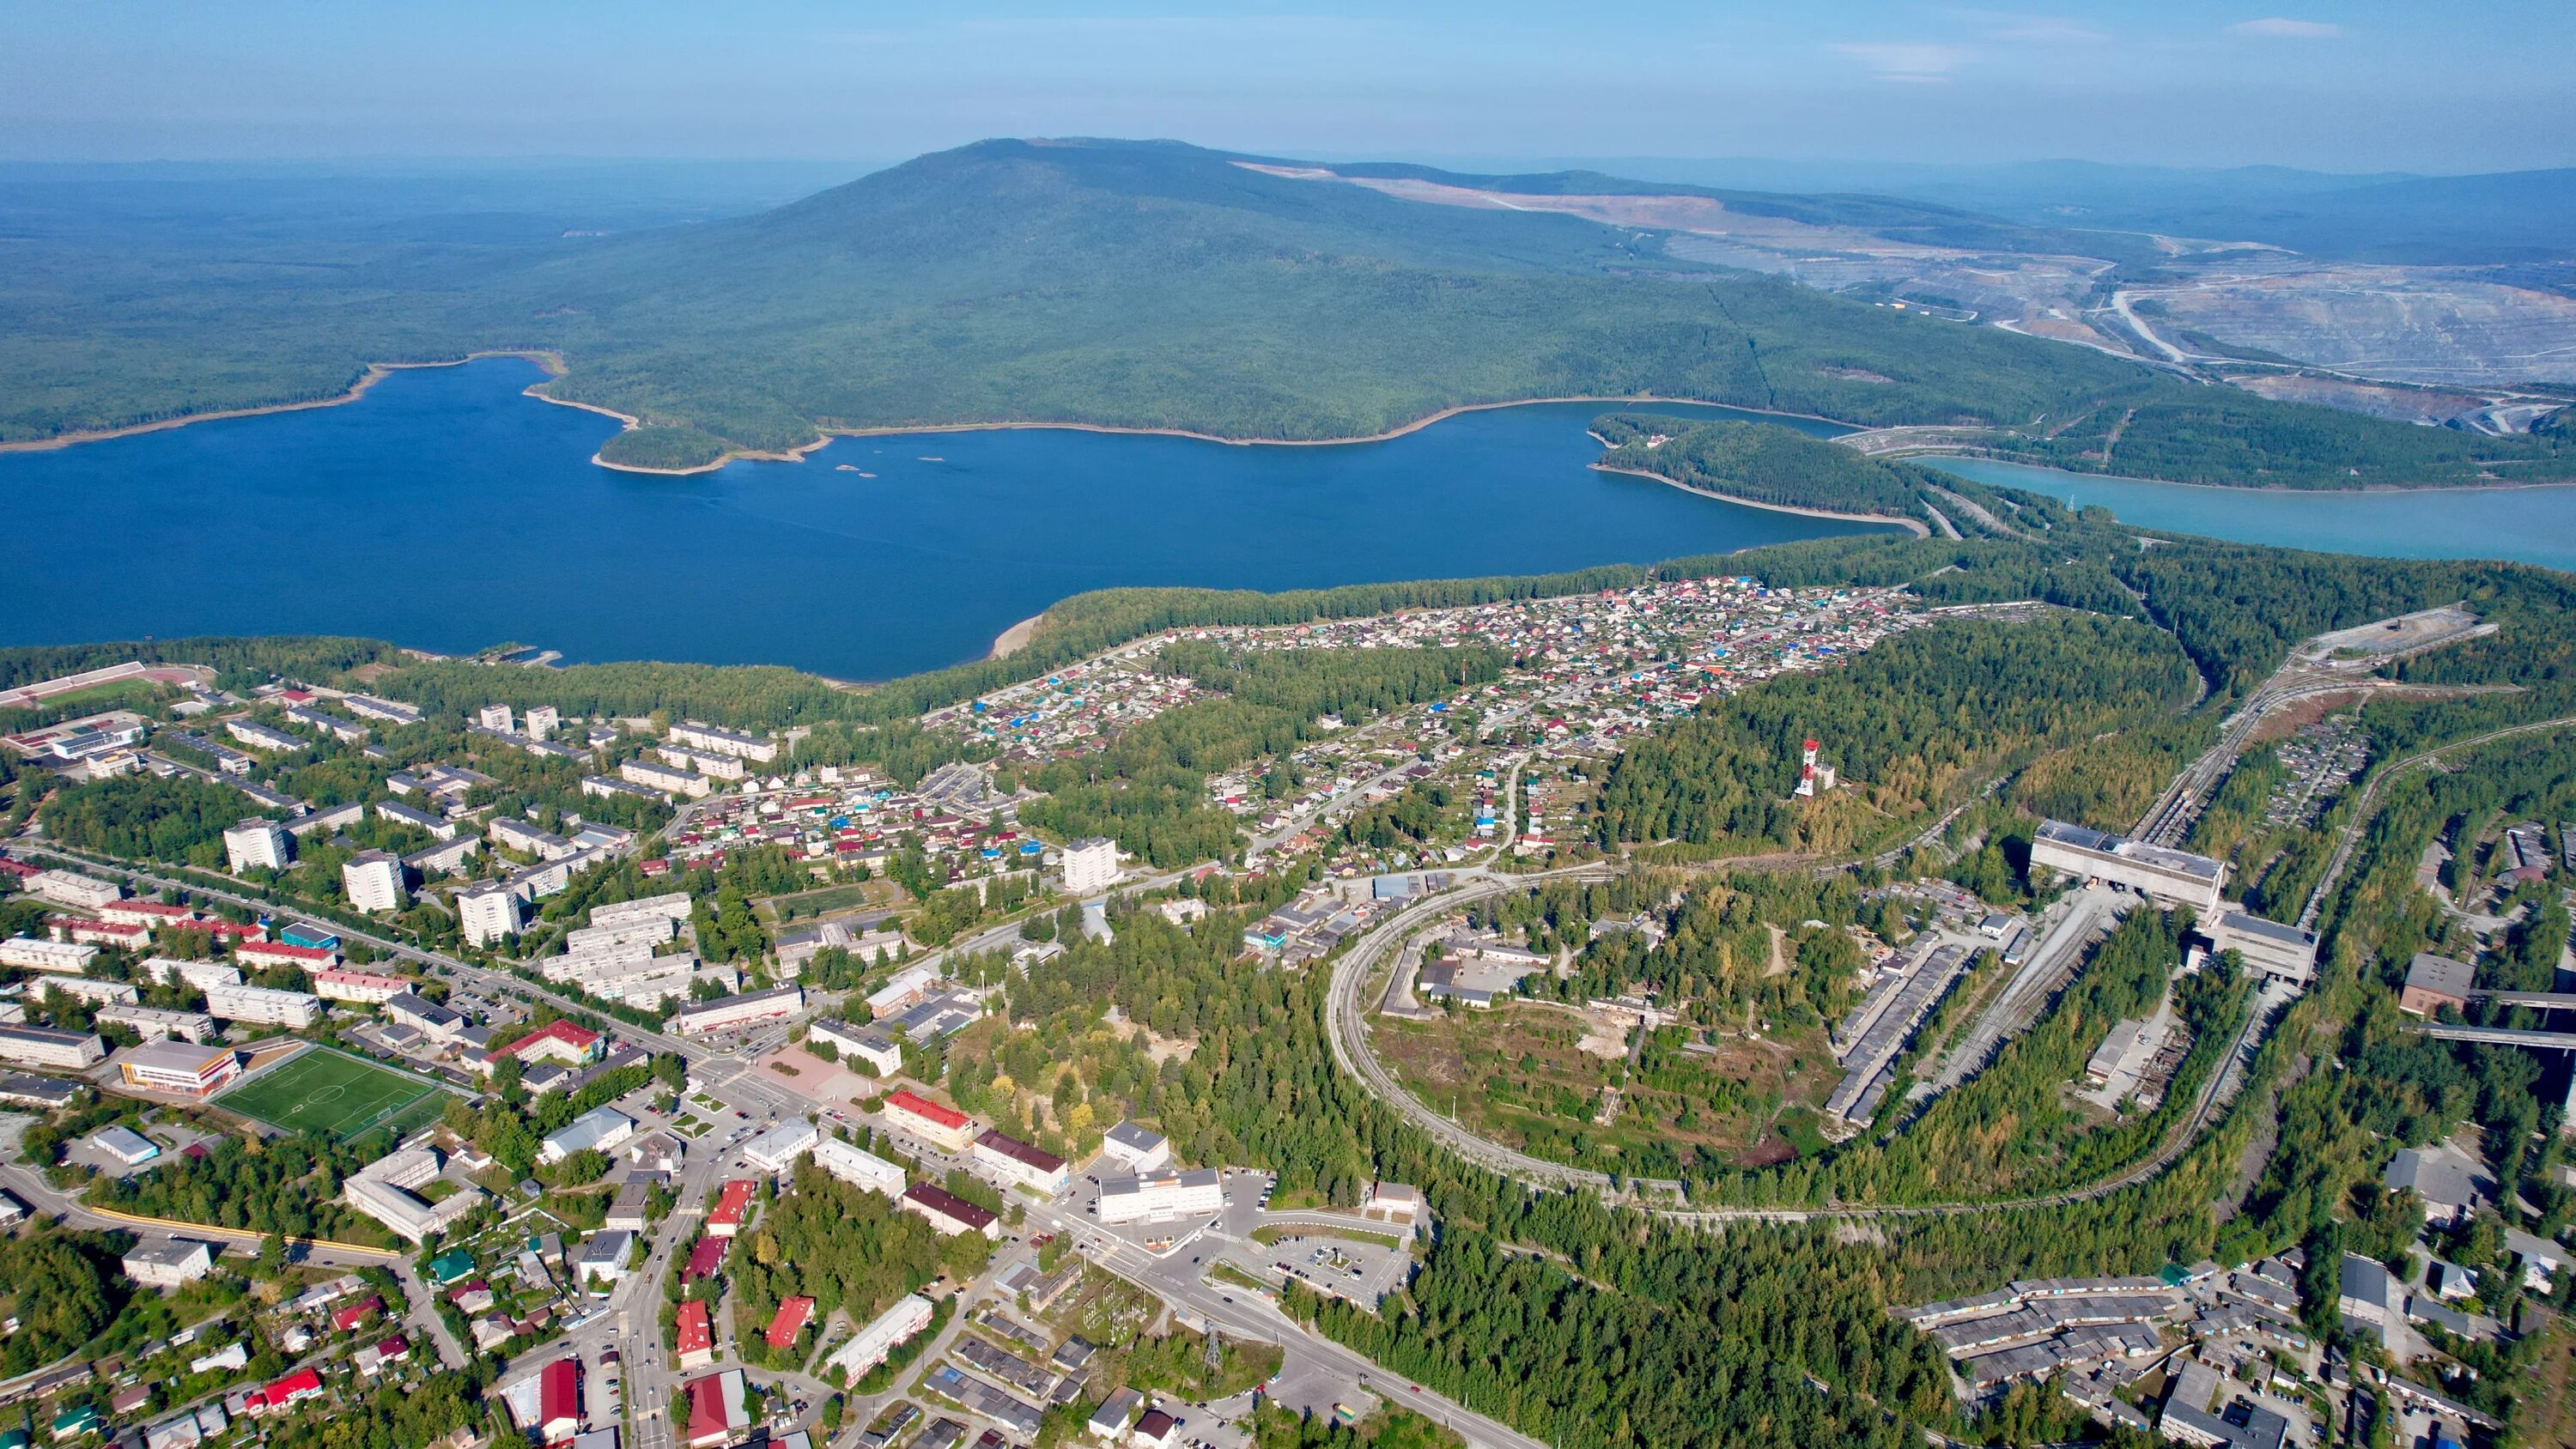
(1131, 284)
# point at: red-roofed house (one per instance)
(706, 1257)
(697, 1335)
(947, 1212)
(574, 1046)
(278, 953)
(559, 1400)
(945, 1126)
(790, 1321)
(716, 1409)
(146, 914)
(291, 1390)
(100, 933)
(733, 1208)
(357, 1313)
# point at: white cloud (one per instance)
(1906, 61)
(2018, 29)
(2276, 28)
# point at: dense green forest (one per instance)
(1131, 284)
(1758, 462)
(2223, 436)
(1905, 723)
(63, 1288)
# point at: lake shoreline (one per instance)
(1918, 528)
(2265, 490)
(374, 373)
(1017, 637)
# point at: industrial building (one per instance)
(2433, 982)
(2163, 874)
(2280, 953)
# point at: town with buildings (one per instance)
(585, 1006)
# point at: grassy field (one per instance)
(1520, 1075)
(335, 1094)
(805, 905)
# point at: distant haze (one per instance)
(2361, 86)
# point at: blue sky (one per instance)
(2355, 86)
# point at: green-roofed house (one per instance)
(15, 1439)
(75, 1421)
(451, 1265)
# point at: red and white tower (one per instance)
(1807, 770)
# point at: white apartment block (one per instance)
(257, 845)
(672, 906)
(85, 988)
(413, 815)
(367, 706)
(910, 1315)
(542, 721)
(705, 762)
(494, 717)
(645, 931)
(260, 737)
(263, 1007)
(374, 882)
(34, 953)
(203, 975)
(489, 912)
(1090, 866)
(71, 888)
(364, 987)
(36, 1046)
(723, 741)
(669, 779)
(858, 1167)
(150, 1022)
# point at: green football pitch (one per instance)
(340, 1096)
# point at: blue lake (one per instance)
(2529, 525)
(447, 512)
